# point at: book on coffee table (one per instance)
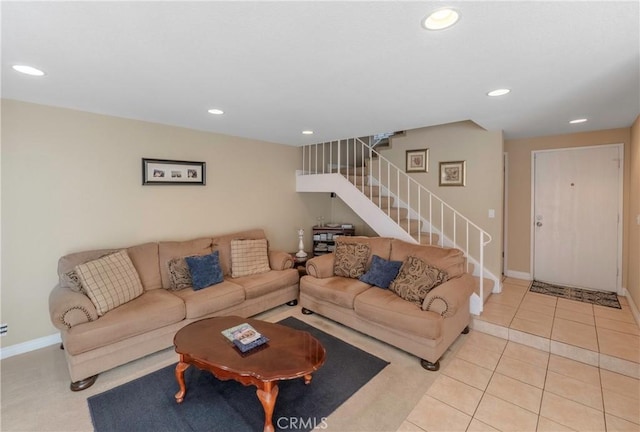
(245, 337)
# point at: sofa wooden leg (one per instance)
(83, 384)
(430, 366)
(61, 346)
(466, 330)
(292, 303)
(306, 311)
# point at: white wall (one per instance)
(71, 181)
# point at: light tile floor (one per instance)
(563, 376)
(486, 383)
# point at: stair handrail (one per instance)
(350, 170)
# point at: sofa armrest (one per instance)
(279, 260)
(321, 266)
(447, 298)
(68, 308)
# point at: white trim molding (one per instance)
(28, 346)
(518, 275)
(632, 305)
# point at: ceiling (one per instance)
(341, 69)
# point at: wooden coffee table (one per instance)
(289, 354)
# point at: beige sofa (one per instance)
(425, 331)
(148, 323)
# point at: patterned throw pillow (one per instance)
(381, 272)
(110, 281)
(350, 259)
(179, 275)
(205, 270)
(249, 257)
(416, 279)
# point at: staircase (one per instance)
(393, 204)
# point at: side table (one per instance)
(300, 263)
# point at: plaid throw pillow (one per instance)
(110, 281)
(249, 257)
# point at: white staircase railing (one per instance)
(379, 179)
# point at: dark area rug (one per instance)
(601, 298)
(148, 403)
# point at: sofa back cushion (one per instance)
(110, 281)
(380, 246)
(450, 260)
(66, 266)
(223, 245)
(168, 250)
(145, 260)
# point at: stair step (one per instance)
(369, 190)
(383, 202)
(359, 170)
(488, 287)
(426, 240)
(358, 180)
(393, 212)
(412, 226)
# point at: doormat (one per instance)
(600, 298)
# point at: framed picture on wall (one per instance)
(417, 161)
(172, 172)
(452, 173)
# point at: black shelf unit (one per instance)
(324, 238)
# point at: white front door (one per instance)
(576, 216)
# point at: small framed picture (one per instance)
(417, 161)
(172, 172)
(452, 173)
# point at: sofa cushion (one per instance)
(152, 310)
(249, 257)
(381, 272)
(205, 270)
(380, 246)
(145, 259)
(110, 281)
(178, 249)
(350, 259)
(179, 275)
(223, 245)
(386, 308)
(207, 301)
(449, 260)
(337, 290)
(67, 264)
(415, 279)
(265, 283)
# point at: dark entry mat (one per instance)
(601, 298)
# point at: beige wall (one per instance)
(72, 181)
(633, 274)
(518, 251)
(482, 150)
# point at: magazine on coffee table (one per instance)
(245, 337)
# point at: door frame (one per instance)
(620, 146)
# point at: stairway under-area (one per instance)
(394, 205)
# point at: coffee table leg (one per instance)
(180, 368)
(267, 396)
(307, 379)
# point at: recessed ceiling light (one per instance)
(499, 92)
(215, 111)
(580, 120)
(441, 19)
(28, 70)
(307, 132)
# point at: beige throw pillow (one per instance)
(110, 281)
(415, 279)
(249, 257)
(350, 259)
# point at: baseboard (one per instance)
(632, 305)
(518, 275)
(28, 346)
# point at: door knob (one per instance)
(539, 224)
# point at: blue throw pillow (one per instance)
(205, 270)
(381, 272)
